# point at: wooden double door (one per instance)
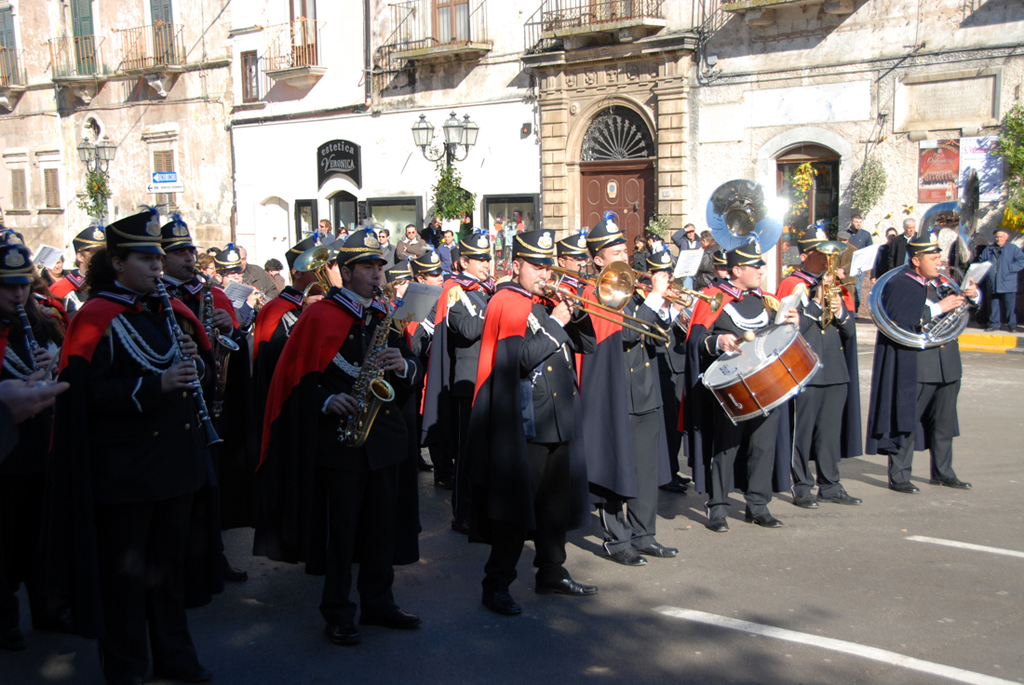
(626, 187)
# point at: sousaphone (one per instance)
(739, 213)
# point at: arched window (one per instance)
(617, 133)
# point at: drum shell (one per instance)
(775, 381)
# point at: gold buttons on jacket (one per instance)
(184, 394)
(554, 394)
(549, 368)
(647, 363)
(156, 434)
(387, 412)
(188, 426)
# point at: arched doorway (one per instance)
(819, 201)
(617, 171)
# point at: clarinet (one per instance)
(197, 389)
(33, 346)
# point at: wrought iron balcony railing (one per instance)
(293, 45)
(76, 56)
(425, 24)
(555, 16)
(149, 47)
(11, 72)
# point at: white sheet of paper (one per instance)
(687, 263)
(47, 256)
(797, 298)
(976, 272)
(864, 260)
(238, 293)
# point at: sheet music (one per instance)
(47, 256)
(238, 293)
(797, 298)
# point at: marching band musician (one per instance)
(128, 456)
(310, 401)
(914, 391)
(627, 459)
(23, 473)
(458, 318)
(71, 289)
(573, 256)
(275, 320)
(745, 308)
(235, 458)
(826, 413)
(526, 455)
(230, 270)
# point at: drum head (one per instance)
(757, 353)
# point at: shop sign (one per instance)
(338, 157)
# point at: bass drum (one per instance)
(769, 370)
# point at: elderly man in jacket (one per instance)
(1007, 261)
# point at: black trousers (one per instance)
(753, 442)
(461, 407)
(671, 397)
(549, 482)
(631, 523)
(936, 409)
(21, 520)
(817, 430)
(141, 553)
(361, 519)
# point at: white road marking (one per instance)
(851, 648)
(967, 545)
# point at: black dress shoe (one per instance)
(907, 488)
(566, 586)
(841, 497)
(13, 640)
(501, 602)
(656, 549)
(460, 526)
(718, 524)
(673, 486)
(443, 482)
(422, 465)
(198, 674)
(764, 520)
(627, 557)
(805, 502)
(396, 620)
(235, 575)
(345, 635)
(953, 482)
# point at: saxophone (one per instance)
(222, 346)
(370, 389)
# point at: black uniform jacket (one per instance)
(322, 357)
(117, 437)
(526, 392)
(273, 326)
(836, 347)
(892, 414)
(458, 323)
(741, 311)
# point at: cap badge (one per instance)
(581, 241)
(481, 242)
(14, 259)
(232, 256)
(97, 234)
(180, 230)
(434, 258)
(611, 227)
(370, 241)
(545, 242)
(153, 225)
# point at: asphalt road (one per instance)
(845, 573)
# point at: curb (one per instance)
(989, 342)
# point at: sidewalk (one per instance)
(974, 339)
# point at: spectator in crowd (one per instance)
(640, 253)
(411, 246)
(448, 252)
(387, 250)
(686, 239)
(274, 269)
(706, 271)
(255, 276)
(882, 258)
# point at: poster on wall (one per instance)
(980, 154)
(938, 171)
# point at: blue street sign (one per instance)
(165, 177)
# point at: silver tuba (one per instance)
(739, 213)
(937, 332)
(962, 214)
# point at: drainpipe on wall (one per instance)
(367, 79)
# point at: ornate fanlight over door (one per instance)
(617, 133)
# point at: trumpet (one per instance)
(613, 288)
(318, 261)
(831, 249)
(687, 295)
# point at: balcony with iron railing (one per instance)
(293, 52)
(12, 75)
(572, 24)
(76, 57)
(762, 12)
(436, 30)
(152, 48)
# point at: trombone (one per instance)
(687, 295)
(613, 287)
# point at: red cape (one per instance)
(702, 314)
(790, 282)
(268, 318)
(93, 320)
(64, 286)
(506, 317)
(315, 339)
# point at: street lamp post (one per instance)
(97, 156)
(457, 134)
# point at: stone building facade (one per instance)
(149, 78)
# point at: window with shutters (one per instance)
(250, 74)
(86, 59)
(163, 160)
(451, 21)
(51, 185)
(19, 192)
(8, 52)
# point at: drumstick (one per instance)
(749, 336)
